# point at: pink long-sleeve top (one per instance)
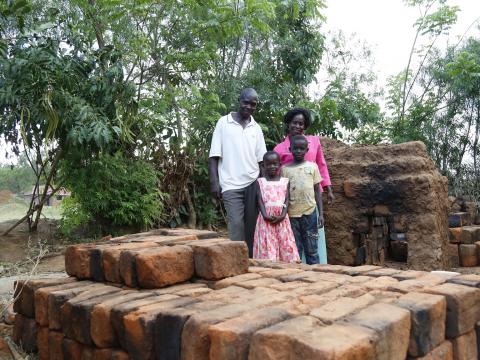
(314, 154)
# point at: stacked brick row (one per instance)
(464, 235)
(273, 311)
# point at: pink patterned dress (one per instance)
(274, 241)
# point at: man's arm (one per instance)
(214, 180)
(318, 200)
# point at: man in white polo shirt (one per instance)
(234, 162)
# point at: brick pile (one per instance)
(195, 299)
(464, 235)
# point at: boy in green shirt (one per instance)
(305, 199)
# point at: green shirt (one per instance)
(302, 195)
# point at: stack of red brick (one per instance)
(273, 311)
(464, 247)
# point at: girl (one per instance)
(274, 239)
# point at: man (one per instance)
(234, 163)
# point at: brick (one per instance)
(226, 295)
(468, 255)
(463, 307)
(451, 252)
(428, 313)
(195, 338)
(164, 266)
(8, 315)
(72, 350)
(25, 333)
(110, 354)
(42, 343)
(127, 267)
(477, 331)
(383, 272)
(303, 337)
(406, 286)
(292, 286)
(194, 292)
(360, 270)
(24, 294)
(55, 340)
(444, 351)
(78, 260)
(392, 325)
(257, 269)
(41, 299)
(465, 346)
(455, 235)
(262, 282)
(76, 314)
(234, 280)
(336, 309)
(118, 312)
(140, 327)
(380, 283)
(408, 275)
(336, 269)
(458, 219)
(56, 299)
(169, 326)
(385, 296)
(218, 261)
(230, 339)
(467, 280)
(178, 288)
(111, 259)
(101, 330)
(277, 273)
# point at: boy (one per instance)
(305, 199)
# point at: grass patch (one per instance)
(15, 208)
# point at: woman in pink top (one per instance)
(297, 121)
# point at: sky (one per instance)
(387, 26)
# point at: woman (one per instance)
(297, 121)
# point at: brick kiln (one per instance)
(391, 205)
(201, 299)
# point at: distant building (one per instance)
(56, 199)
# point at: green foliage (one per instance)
(115, 191)
(75, 221)
(17, 179)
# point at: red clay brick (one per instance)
(360, 270)
(467, 280)
(140, 327)
(428, 312)
(220, 284)
(468, 255)
(230, 339)
(409, 275)
(111, 259)
(25, 333)
(261, 282)
(195, 338)
(164, 266)
(101, 330)
(218, 261)
(77, 260)
(444, 351)
(56, 300)
(110, 354)
(463, 307)
(119, 311)
(55, 340)
(72, 350)
(76, 313)
(338, 308)
(392, 325)
(42, 343)
(25, 293)
(303, 337)
(465, 346)
(41, 299)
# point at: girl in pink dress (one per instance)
(273, 239)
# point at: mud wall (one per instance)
(391, 204)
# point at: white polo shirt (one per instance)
(240, 150)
